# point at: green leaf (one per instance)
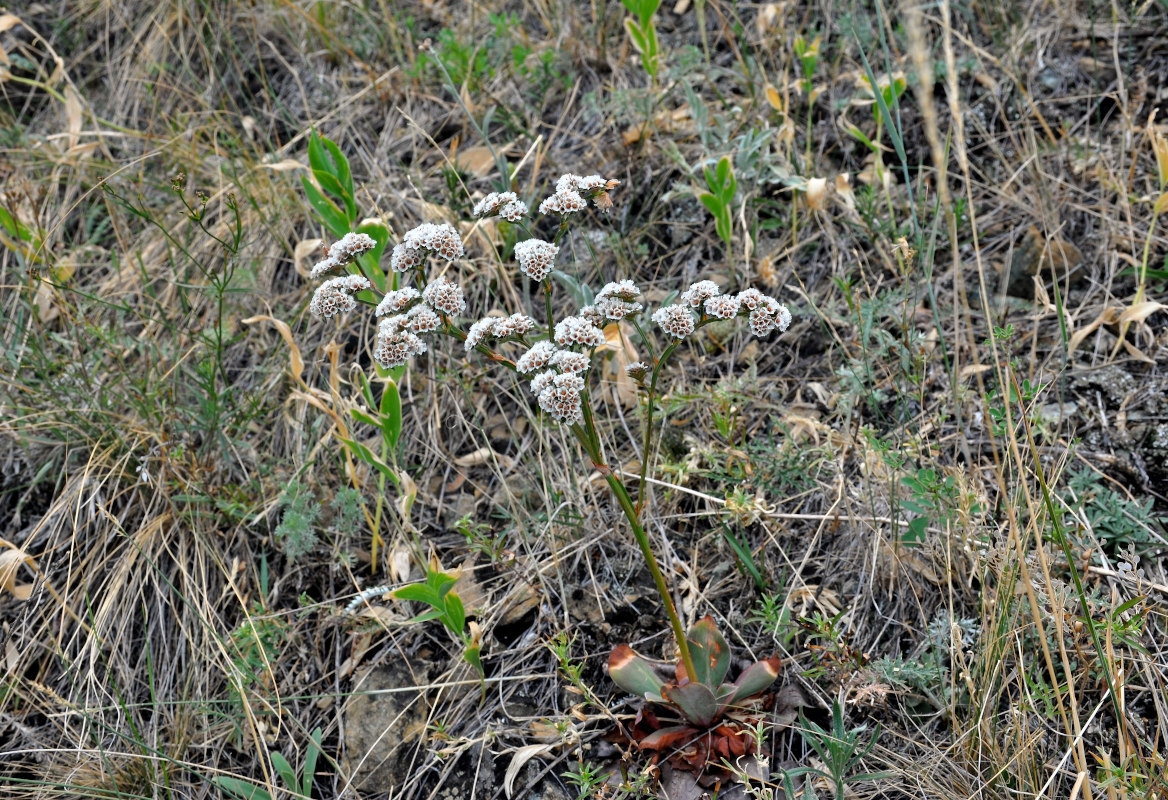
(633, 673)
(310, 757)
(634, 31)
(241, 789)
(858, 134)
(440, 582)
(455, 613)
(916, 530)
(361, 416)
(365, 454)
(421, 593)
(695, 701)
(343, 175)
(285, 771)
(326, 209)
(473, 656)
(756, 678)
(437, 613)
(745, 558)
(712, 204)
(391, 414)
(723, 171)
(710, 652)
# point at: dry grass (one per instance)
(155, 633)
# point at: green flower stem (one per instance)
(547, 302)
(648, 439)
(626, 504)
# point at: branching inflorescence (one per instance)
(556, 356)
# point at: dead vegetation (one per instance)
(939, 498)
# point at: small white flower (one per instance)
(442, 240)
(724, 306)
(514, 326)
(621, 290)
(538, 357)
(676, 320)
(444, 296)
(479, 331)
(568, 183)
(422, 319)
(768, 315)
(514, 211)
(577, 330)
(404, 258)
(536, 257)
(351, 245)
(397, 301)
(592, 314)
(751, 298)
(560, 397)
(540, 381)
(491, 204)
(563, 203)
(395, 346)
(567, 361)
(700, 292)
(325, 267)
(616, 309)
(335, 296)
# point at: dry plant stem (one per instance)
(647, 441)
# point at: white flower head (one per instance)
(398, 301)
(422, 319)
(592, 314)
(335, 296)
(536, 257)
(724, 306)
(404, 258)
(441, 240)
(578, 331)
(616, 309)
(328, 266)
(480, 331)
(351, 245)
(567, 361)
(560, 397)
(395, 347)
(769, 314)
(621, 290)
(538, 357)
(698, 293)
(563, 203)
(513, 326)
(492, 203)
(444, 296)
(540, 381)
(751, 298)
(676, 320)
(514, 211)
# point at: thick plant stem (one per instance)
(626, 504)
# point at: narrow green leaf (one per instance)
(326, 209)
(455, 612)
(285, 771)
(473, 656)
(310, 758)
(713, 204)
(391, 414)
(343, 175)
(634, 31)
(723, 170)
(245, 790)
(421, 593)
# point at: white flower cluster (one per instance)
(445, 296)
(765, 313)
(396, 345)
(538, 357)
(536, 257)
(335, 296)
(511, 327)
(427, 238)
(506, 204)
(573, 191)
(343, 251)
(578, 331)
(398, 301)
(617, 300)
(559, 395)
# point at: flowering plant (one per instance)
(556, 357)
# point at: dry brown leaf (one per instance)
(775, 99)
(843, 190)
(399, 564)
(303, 253)
(521, 757)
(482, 456)
(478, 161)
(10, 561)
(816, 190)
(72, 115)
(681, 7)
(1107, 317)
(284, 166)
(296, 362)
(1141, 311)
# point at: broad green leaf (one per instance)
(473, 656)
(722, 171)
(712, 204)
(361, 416)
(421, 593)
(633, 673)
(326, 209)
(756, 678)
(391, 414)
(711, 654)
(440, 581)
(695, 701)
